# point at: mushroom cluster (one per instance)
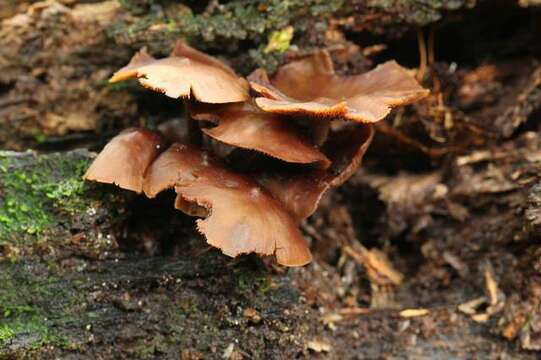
(300, 132)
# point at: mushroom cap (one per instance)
(174, 165)
(242, 216)
(300, 191)
(125, 159)
(310, 86)
(184, 73)
(246, 219)
(346, 148)
(190, 208)
(244, 125)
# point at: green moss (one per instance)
(26, 314)
(33, 325)
(236, 21)
(43, 197)
(40, 137)
(252, 281)
(246, 24)
(21, 211)
(6, 333)
(279, 40)
(419, 12)
(33, 198)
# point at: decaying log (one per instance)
(447, 208)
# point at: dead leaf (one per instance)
(377, 265)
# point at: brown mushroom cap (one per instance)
(185, 72)
(175, 164)
(245, 219)
(300, 191)
(190, 208)
(242, 216)
(310, 86)
(124, 160)
(346, 148)
(244, 125)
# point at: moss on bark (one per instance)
(44, 200)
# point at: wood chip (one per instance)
(491, 286)
(470, 307)
(378, 267)
(476, 157)
(495, 299)
(318, 346)
(480, 318)
(252, 315)
(331, 318)
(354, 311)
(455, 263)
(409, 313)
(228, 351)
(511, 331)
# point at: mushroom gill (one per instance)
(310, 86)
(300, 190)
(244, 125)
(184, 73)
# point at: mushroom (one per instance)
(310, 86)
(252, 210)
(241, 216)
(244, 125)
(125, 159)
(244, 218)
(300, 190)
(175, 164)
(184, 73)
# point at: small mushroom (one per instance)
(125, 159)
(310, 86)
(300, 191)
(242, 217)
(244, 125)
(184, 73)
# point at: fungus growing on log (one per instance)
(300, 190)
(256, 207)
(242, 217)
(310, 86)
(246, 126)
(125, 159)
(184, 73)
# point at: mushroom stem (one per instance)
(431, 56)
(195, 136)
(422, 55)
(321, 131)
